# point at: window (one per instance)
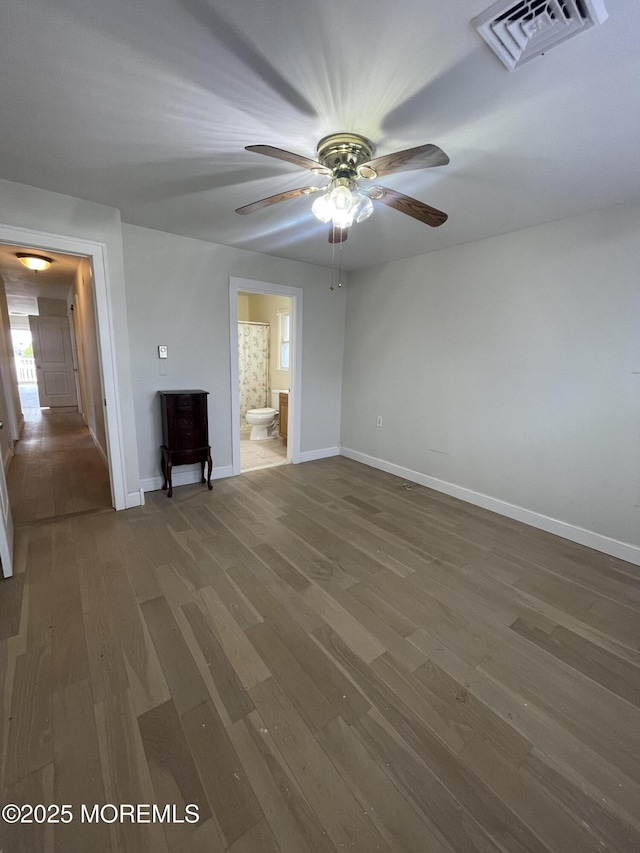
(284, 339)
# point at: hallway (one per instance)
(56, 470)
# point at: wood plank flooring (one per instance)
(56, 469)
(320, 660)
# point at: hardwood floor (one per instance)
(320, 660)
(56, 470)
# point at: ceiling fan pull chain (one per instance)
(333, 265)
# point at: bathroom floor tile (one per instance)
(261, 454)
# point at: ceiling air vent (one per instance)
(518, 32)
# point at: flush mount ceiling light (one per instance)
(34, 262)
(345, 158)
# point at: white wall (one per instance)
(88, 355)
(178, 295)
(510, 367)
(51, 307)
(243, 306)
(264, 308)
(28, 207)
(10, 405)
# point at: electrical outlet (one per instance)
(379, 421)
(163, 352)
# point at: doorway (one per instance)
(106, 398)
(25, 362)
(59, 456)
(263, 378)
(95, 255)
(272, 331)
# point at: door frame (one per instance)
(71, 314)
(97, 253)
(6, 526)
(236, 286)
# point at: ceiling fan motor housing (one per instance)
(344, 152)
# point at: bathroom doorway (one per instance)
(265, 328)
(264, 324)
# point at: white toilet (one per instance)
(263, 420)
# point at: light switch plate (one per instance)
(163, 352)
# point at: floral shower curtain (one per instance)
(253, 366)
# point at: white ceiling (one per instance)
(147, 106)
(23, 286)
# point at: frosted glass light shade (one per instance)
(362, 209)
(34, 262)
(341, 198)
(342, 205)
(343, 219)
(322, 208)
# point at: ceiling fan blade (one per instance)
(290, 157)
(422, 157)
(411, 206)
(337, 235)
(275, 199)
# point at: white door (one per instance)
(6, 526)
(54, 361)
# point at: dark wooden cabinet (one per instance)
(284, 417)
(185, 433)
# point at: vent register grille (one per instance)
(518, 32)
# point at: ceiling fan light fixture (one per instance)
(34, 262)
(362, 207)
(322, 208)
(343, 219)
(343, 204)
(341, 197)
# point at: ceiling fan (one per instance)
(345, 158)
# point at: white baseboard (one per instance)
(589, 538)
(185, 478)
(8, 456)
(323, 453)
(135, 499)
(99, 447)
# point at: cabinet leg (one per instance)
(163, 467)
(209, 467)
(169, 469)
